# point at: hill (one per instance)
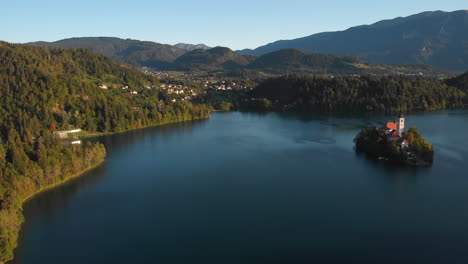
(297, 61)
(461, 82)
(436, 38)
(127, 51)
(190, 47)
(215, 59)
(345, 94)
(294, 60)
(43, 90)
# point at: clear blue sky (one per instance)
(235, 24)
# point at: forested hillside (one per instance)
(43, 90)
(298, 61)
(355, 94)
(294, 60)
(461, 82)
(215, 59)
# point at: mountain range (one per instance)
(439, 39)
(436, 38)
(166, 57)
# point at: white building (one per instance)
(76, 142)
(401, 124)
(64, 133)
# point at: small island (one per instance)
(391, 143)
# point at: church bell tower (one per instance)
(401, 124)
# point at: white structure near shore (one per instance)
(65, 133)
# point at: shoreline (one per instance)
(60, 183)
(103, 134)
(48, 188)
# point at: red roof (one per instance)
(395, 135)
(391, 126)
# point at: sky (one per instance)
(235, 24)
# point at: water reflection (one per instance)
(51, 201)
(114, 142)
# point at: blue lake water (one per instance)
(258, 188)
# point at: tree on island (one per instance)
(419, 146)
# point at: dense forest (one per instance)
(47, 89)
(461, 82)
(389, 94)
(128, 51)
(215, 59)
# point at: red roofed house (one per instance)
(391, 126)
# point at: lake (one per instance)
(258, 188)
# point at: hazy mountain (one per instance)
(214, 59)
(128, 51)
(190, 47)
(436, 38)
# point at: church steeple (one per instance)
(401, 124)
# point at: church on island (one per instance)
(395, 129)
(391, 142)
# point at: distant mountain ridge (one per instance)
(128, 51)
(190, 47)
(166, 57)
(292, 61)
(437, 38)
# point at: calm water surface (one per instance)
(258, 188)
